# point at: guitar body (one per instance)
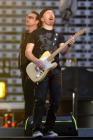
(36, 74)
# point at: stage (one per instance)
(19, 133)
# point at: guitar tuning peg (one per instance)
(87, 30)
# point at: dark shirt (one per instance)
(45, 40)
(23, 61)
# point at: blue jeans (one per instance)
(52, 85)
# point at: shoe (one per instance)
(37, 134)
(51, 134)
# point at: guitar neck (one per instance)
(52, 56)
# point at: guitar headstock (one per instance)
(76, 35)
(84, 30)
(81, 32)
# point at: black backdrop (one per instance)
(80, 78)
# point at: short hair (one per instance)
(37, 16)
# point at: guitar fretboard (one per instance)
(75, 36)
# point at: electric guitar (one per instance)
(35, 73)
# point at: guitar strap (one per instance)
(55, 39)
(54, 45)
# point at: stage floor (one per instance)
(19, 132)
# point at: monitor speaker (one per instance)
(66, 126)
